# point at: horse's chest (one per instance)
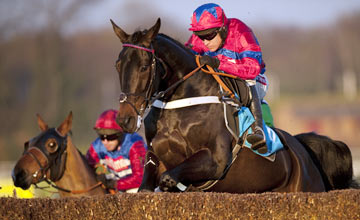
(180, 133)
(173, 145)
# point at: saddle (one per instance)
(239, 119)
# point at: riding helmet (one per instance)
(106, 123)
(206, 17)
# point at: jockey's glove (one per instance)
(211, 61)
(108, 183)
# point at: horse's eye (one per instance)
(51, 145)
(144, 68)
(117, 65)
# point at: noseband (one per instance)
(123, 98)
(42, 170)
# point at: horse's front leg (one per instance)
(151, 170)
(199, 167)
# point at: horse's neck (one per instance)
(181, 60)
(180, 64)
(77, 175)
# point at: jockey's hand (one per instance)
(100, 169)
(108, 183)
(211, 61)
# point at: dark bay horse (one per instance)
(190, 147)
(52, 156)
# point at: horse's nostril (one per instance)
(21, 173)
(127, 120)
(19, 178)
(126, 123)
(13, 176)
(122, 121)
(118, 120)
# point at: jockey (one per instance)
(228, 45)
(117, 157)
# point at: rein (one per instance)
(148, 101)
(162, 93)
(216, 76)
(180, 103)
(67, 190)
(81, 191)
(123, 96)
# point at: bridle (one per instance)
(55, 174)
(146, 94)
(57, 157)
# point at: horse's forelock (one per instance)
(137, 36)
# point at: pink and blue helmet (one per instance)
(107, 120)
(208, 16)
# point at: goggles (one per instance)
(108, 137)
(209, 36)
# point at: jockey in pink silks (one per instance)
(228, 45)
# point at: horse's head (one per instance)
(136, 66)
(43, 156)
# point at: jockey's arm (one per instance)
(245, 68)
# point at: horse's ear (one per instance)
(152, 32)
(42, 125)
(119, 32)
(65, 127)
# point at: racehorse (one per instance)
(190, 147)
(52, 156)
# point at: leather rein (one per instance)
(150, 100)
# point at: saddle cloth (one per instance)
(239, 123)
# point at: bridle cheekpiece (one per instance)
(123, 97)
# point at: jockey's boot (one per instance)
(257, 138)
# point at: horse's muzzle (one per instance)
(127, 123)
(21, 178)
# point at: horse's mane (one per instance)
(161, 35)
(136, 38)
(83, 157)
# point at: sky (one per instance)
(304, 13)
